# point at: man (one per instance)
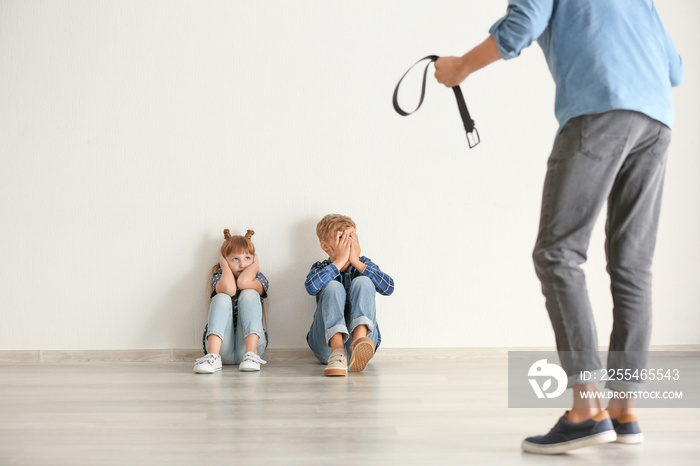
(614, 66)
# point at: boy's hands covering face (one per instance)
(355, 251)
(354, 248)
(341, 249)
(345, 250)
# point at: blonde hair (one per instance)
(326, 228)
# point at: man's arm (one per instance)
(523, 23)
(451, 71)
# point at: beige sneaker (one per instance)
(337, 363)
(361, 351)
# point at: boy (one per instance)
(344, 286)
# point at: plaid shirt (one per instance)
(323, 272)
(234, 299)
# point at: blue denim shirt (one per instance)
(603, 54)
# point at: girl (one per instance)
(234, 333)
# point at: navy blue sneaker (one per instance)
(566, 435)
(628, 430)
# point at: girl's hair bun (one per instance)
(227, 234)
(249, 233)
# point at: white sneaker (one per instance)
(207, 364)
(337, 364)
(251, 362)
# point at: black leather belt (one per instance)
(472, 134)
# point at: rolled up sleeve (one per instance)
(524, 22)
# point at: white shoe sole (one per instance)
(630, 438)
(559, 448)
(206, 370)
(243, 367)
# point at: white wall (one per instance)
(133, 133)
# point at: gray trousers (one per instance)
(618, 157)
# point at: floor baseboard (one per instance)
(272, 354)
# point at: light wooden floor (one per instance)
(399, 411)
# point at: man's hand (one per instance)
(450, 71)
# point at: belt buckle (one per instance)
(473, 138)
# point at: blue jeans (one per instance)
(233, 337)
(335, 313)
(618, 157)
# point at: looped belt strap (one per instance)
(472, 134)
